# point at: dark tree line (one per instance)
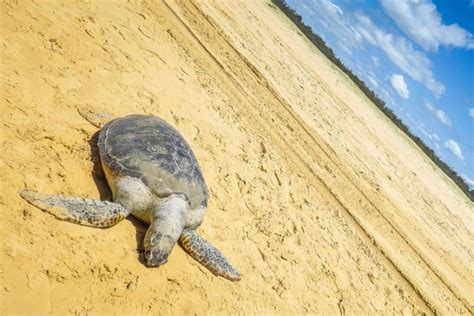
(329, 53)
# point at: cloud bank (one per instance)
(421, 21)
(401, 53)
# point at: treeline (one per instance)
(329, 53)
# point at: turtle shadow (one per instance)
(97, 172)
(105, 193)
(140, 231)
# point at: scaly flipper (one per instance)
(207, 255)
(96, 119)
(87, 212)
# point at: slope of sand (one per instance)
(320, 202)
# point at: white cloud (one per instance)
(422, 22)
(402, 54)
(468, 180)
(353, 31)
(376, 61)
(428, 105)
(387, 96)
(367, 74)
(413, 62)
(454, 149)
(432, 137)
(349, 31)
(333, 7)
(471, 110)
(344, 48)
(373, 81)
(364, 32)
(443, 117)
(399, 85)
(334, 20)
(438, 113)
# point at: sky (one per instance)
(417, 56)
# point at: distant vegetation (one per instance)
(328, 52)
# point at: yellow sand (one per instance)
(321, 202)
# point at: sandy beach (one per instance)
(323, 204)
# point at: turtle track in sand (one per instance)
(305, 144)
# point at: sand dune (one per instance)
(320, 201)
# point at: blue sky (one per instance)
(418, 56)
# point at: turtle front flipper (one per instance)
(207, 255)
(87, 212)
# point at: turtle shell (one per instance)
(148, 148)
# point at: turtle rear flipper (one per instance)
(87, 212)
(207, 255)
(96, 119)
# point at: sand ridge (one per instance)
(320, 202)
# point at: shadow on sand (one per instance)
(106, 194)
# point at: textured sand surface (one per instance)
(320, 202)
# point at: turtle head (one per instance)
(166, 226)
(157, 249)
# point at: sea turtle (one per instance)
(153, 175)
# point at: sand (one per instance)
(323, 205)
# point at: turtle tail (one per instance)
(207, 255)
